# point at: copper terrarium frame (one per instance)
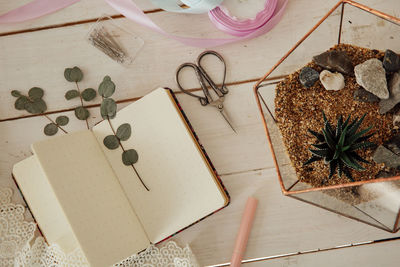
(320, 196)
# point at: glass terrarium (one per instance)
(376, 200)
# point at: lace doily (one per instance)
(16, 236)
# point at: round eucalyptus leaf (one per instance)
(71, 94)
(106, 87)
(124, 132)
(16, 93)
(130, 157)
(111, 142)
(62, 120)
(36, 107)
(20, 102)
(81, 113)
(50, 129)
(88, 94)
(108, 108)
(35, 93)
(73, 74)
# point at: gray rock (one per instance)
(384, 155)
(393, 144)
(391, 61)
(394, 95)
(385, 174)
(363, 95)
(335, 61)
(371, 75)
(331, 81)
(308, 76)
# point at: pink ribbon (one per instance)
(130, 10)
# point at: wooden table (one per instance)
(35, 54)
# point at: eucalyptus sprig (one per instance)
(52, 128)
(75, 75)
(108, 111)
(32, 103)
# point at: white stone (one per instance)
(331, 81)
(372, 77)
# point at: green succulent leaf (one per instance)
(50, 129)
(130, 157)
(36, 107)
(354, 137)
(71, 94)
(16, 93)
(106, 87)
(347, 172)
(35, 93)
(357, 157)
(332, 168)
(339, 128)
(320, 137)
(108, 108)
(329, 138)
(81, 113)
(321, 146)
(352, 164)
(73, 74)
(62, 120)
(124, 132)
(20, 102)
(311, 160)
(353, 129)
(362, 146)
(111, 142)
(322, 153)
(89, 94)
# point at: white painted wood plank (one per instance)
(282, 224)
(39, 58)
(379, 254)
(83, 10)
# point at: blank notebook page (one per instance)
(91, 197)
(183, 187)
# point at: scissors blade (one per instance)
(226, 117)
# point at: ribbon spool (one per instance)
(220, 17)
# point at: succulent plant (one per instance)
(338, 146)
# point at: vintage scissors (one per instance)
(205, 79)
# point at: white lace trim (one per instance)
(16, 235)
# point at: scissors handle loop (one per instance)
(203, 100)
(220, 91)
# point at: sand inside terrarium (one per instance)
(298, 109)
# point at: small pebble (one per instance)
(363, 95)
(371, 75)
(335, 61)
(332, 81)
(308, 76)
(384, 155)
(394, 95)
(391, 61)
(396, 119)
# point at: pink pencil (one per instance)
(244, 231)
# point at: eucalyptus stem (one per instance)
(123, 149)
(59, 127)
(80, 97)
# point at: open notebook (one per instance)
(82, 195)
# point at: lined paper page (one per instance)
(91, 197)
(182, 186)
